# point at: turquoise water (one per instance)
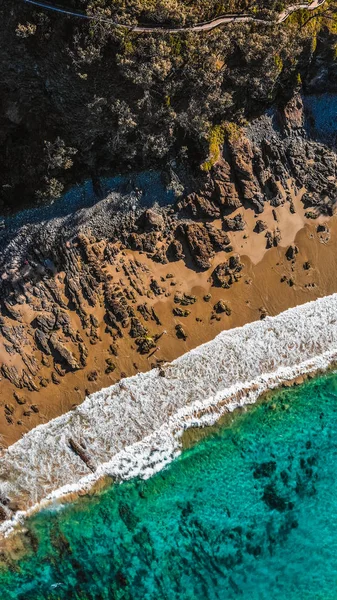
(249, 512)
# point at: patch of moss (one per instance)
(278, 62)
(216, 139)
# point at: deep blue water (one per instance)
(248, 512)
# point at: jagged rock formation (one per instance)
(270, 161)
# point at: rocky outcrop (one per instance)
(151, 220)
(199, 206)
(226, 193)
(199, 243)
(184, 299)
(137, 329)
(260, 226)
(269, 161)
(227, 273)
(237, 223)
(291, 252)
(273, 238)
(175, 250)
(203, 241)
(65, 354)
(180, 332)
(242, 156)
(222, 307)
(292, 115)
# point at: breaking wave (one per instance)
(133, 428)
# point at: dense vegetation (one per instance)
(175, 12)
(80, 98)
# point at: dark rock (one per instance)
(222, 307)
(293, 114)
(156, 288)
(260, 226)
(46, 322)
(94, 321)
(269, 239)
(273, 499)
(20, 400)
(42, 341)
(117, 304)
(92, 376)
(237, 223)
(180, 332)
(179, 312)
(55, 379)
(263, 313)
(184, 299)
(310, 214)
(277, 237)
(199, 206)
(242, 153)
(175, 251)
(160, 255)
(291, 252)
(66, 355)
(228, 272)
(265, 469)
(145, 344)
(137, 329)
(80, 450)
(226, 192)
(11, 373)
(199, 243)
(219, 239)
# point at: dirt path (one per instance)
(207, 26)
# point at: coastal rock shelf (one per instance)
(133, 427)
(84, 287)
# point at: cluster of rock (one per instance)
(62, 298)
(228, 272)
(269, 162)
(51, 321)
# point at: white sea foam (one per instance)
(134, 427)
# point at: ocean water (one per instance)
(247, 511)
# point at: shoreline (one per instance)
(310, 351)
(263, 287)
(93, 295)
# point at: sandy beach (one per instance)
(267, 284)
